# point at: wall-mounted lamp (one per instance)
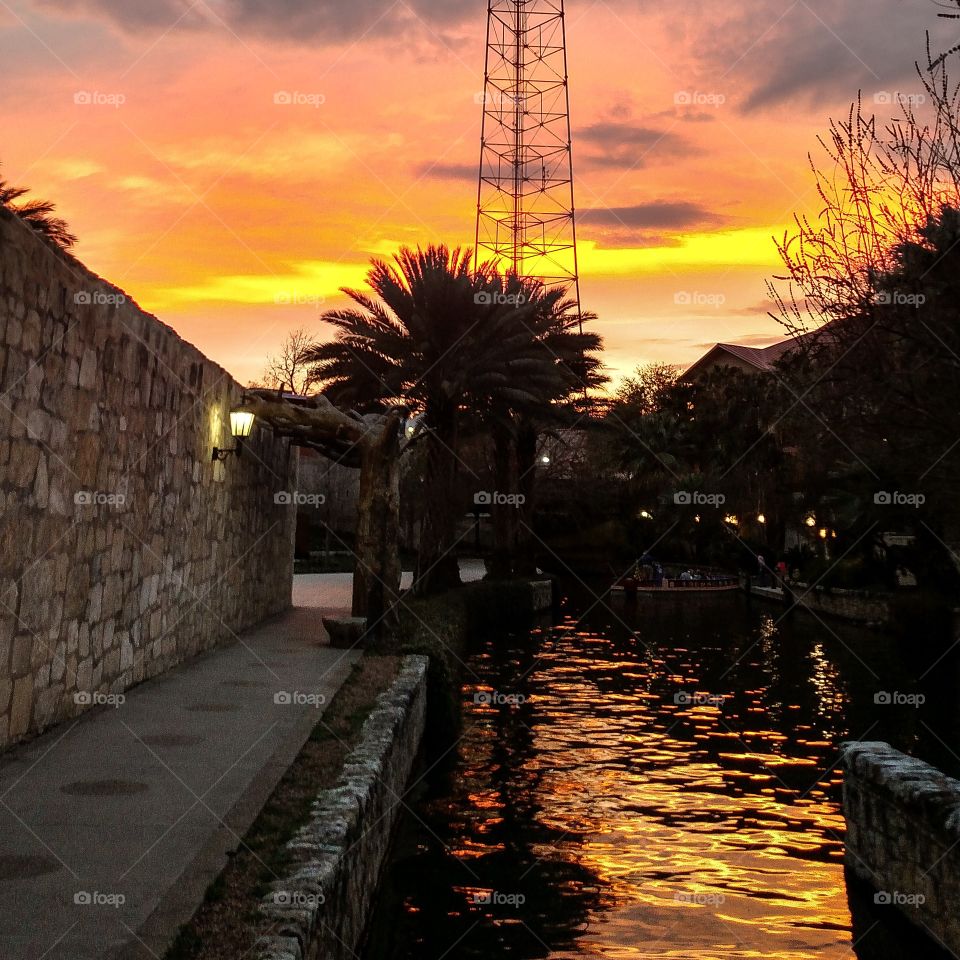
(241, 425)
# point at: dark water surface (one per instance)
(658, 781)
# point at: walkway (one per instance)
(112, 826)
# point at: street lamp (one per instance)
(241, 425)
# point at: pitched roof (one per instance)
(763, 358)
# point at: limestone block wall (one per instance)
(123, 549)
(903, 835)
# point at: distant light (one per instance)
(545, 458)
(810, 521)
(732, 519)
(696, 519)
(645, 515)
(761, 518)
(823, 533)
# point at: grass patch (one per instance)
(227, 923)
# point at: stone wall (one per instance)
(123, 548)
(857, 606)
(903, 835)
(319, 910)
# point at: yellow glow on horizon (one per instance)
(749, 247)
(310, 282)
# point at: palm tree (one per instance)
(37, 214)
(567, 365)
(438, 338)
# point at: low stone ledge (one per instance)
(319, 910)
(345, 632)
(903, 834)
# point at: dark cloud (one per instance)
(819, 52)
(313, 20)
(656, 215)
(448, 171)
(626, 145)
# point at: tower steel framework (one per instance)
(526, 220)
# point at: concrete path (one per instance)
(112, 826)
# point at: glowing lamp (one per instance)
(241, 426)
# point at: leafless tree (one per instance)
(290, 370)
(878, 187)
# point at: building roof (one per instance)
(734, 354)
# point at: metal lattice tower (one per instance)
(525, 209)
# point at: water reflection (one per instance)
(649, 782)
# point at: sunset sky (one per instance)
(153, 125)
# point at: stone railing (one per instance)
(903, 835)
(320, 909)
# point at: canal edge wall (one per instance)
(319, 910)
(855, 606)
(903, 835)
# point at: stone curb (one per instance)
(319, 909)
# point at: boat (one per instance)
(648, 577)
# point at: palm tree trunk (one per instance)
(504, 515)
(376, 582)
(526, 446)
(437, 566)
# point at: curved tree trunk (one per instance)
(376, 581)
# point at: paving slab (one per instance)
(113, 825)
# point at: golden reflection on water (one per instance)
(712, 828)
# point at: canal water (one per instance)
(659, 781)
